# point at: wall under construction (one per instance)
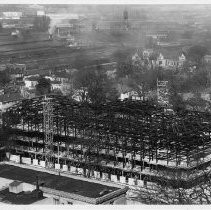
(125, 138)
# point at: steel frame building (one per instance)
(127, 138)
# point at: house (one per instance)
(28, 93)
(12, 15)
(130, 95)
(165, 58)
(170, 58)
(158, 36)
(182, 59)
(8, 100)
(62, 80)
(207, 59)
(16, 187)
(61, 76)
(31, 81)
(161, 61)
(18, 192)
(147, 53)
(40, 13)
(56, 85)
(137, 58)
(126, 92)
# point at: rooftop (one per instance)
(15, 183)
(22, 198)
(61, 183)
(170, 53)
(55, 82)
(32, 78)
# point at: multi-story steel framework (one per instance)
(129, 138)
(48, 130)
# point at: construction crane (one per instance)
(162, 93)
(48, 131)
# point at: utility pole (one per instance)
(48, 131)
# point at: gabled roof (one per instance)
(32, 78)
(170, 53)
(138, 52)
(148, 50)
(15, 183)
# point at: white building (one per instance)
(147, 53)
(61, 80)
(56, 85)
(207, 58)
(130, 95)
(12, 15)
(40, 13)
(169, 61)
(31, 81)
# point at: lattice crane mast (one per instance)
(163, 93)
(48, 131)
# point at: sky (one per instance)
(105, 2)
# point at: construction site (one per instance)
(129, 142)
(88, 152)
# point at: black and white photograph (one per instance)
(105, 104)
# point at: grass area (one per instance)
(87, 189)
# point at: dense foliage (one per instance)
(43, 87)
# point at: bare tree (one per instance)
(171, 190)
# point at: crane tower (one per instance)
(48, 131)
(162, 93)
